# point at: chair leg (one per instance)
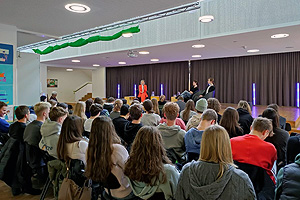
(45, 189)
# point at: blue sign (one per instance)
(6, 54)
(6, 73)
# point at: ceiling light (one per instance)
(198, 46)
(78, 8)
(76, 61)
(122, 63)
(96, 65)
(154, 60)
(127, 35)
(281, 35)
(144, 52)
(69, 70)
(196, 56)
(253, 50)
(206, 18)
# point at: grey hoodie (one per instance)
(173, 137)
(198, 181)
(50, 131)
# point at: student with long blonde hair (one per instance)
(214, 176)
(79, 110)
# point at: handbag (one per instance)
(69, 190)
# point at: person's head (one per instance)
(216, 148)
(63, 105)
(142, 82)
(95, 110)
(244, 105)
(147, 157)
(71, 131)
(262, 127)
(274, 106)
(79, 110)
(88, 104)
(117, 105)
(43, 98)
(54, 94)
(230, 121)
(22, 112)
(42, 110)
(135, 111)
(209, 117)
(162, 98)
(110, 100)
(171, 110)
(195, 82)
(180, 98)
(271, 114)
(99, 152)
(124, 110)
(124, 101)
(52, 103)
(98, 100)
(210, 81)
(155, 106)
(3, 108)
(201, 105)
(148, 105)
(214, 104)
(189, 106)
(58, 114)
(135, 101)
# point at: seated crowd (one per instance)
(152, 150)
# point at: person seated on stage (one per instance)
(116, 110)
(209, 88)
(104, 112)
(173, 135)
(282, 120)
(263, 154)
(230, 121)
(193, 137)
(181, 103)
(95, 110)
(149, 118)
(189, 111)
(109, 104)
(88, 104)
(120, 122)
(143, 91)
(280, 137)
(188, 94)
(214, 104)
(201, 106)
(245, 118)
(53, 96)
(4, 125)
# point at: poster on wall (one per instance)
(6, 73)
(53, 83)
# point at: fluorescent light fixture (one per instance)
(281, 35)
(253, 94)
(144, 52)
(69, 70)
(122, 63)
(134, 90)
(119, 91)
(298, 96)
(154, 60)
(197, 46)
(196, 56)
(161, 89)
(253, 50)
(96, 65)
(127, 35)
(206, 18)
(78, 8)
(76, 61)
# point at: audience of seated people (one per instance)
(213, 103)
(181, 103)
(149, 118)
(245, 118)
(201, 106)
(189, 111)
(95, 110)
(230, 121)
(116, 109)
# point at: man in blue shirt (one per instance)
(4, 125)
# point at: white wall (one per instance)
(67, 82)
(43, 78)
(99, 82)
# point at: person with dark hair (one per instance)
(88, 104)
(209, 88)
(4, 125)
(116, 110)
(245, 118)
(188, 94)
(124, 101)
(149, 118)
(16, 130)
(50, 130)
(120, 122)
(109, 104)
(293, 148)
(150, 173)
(230, 121)
(282, 120)
(43, 98)
(143, 91)
(71, 144)
(106, 157)
(213, 103)
(189, 111)
(63, 105)
(131, 128)
(98, 100)
(181, 103)
(95, 110)
(280, 137)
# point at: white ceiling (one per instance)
(218, 47)
(50, 17)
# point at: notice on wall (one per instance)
(6, 73)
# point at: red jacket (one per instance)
(143, 95)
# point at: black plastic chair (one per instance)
(111, 183)
(288, 127)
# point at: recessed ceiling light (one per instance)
(281, 35)
(96, 65)
(69, 70)
(144, 52)
(76, 61)
(198, 46)
(78, 8)
(253, 50)
(122, 63)
(127, 35)
(154, 60)
(196, 56)
(206, 18)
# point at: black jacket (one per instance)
(211, 89)
(130, 131)
(245, 120)
(119, 123)
(293, 148)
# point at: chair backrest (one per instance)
(158, 196)
(288, 127)
(209, 95)
(34, 156)
(172, 155)
(111, 182)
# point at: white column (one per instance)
(43, 78)
(99, 82)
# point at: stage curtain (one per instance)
(174, 77)
(275, 76)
